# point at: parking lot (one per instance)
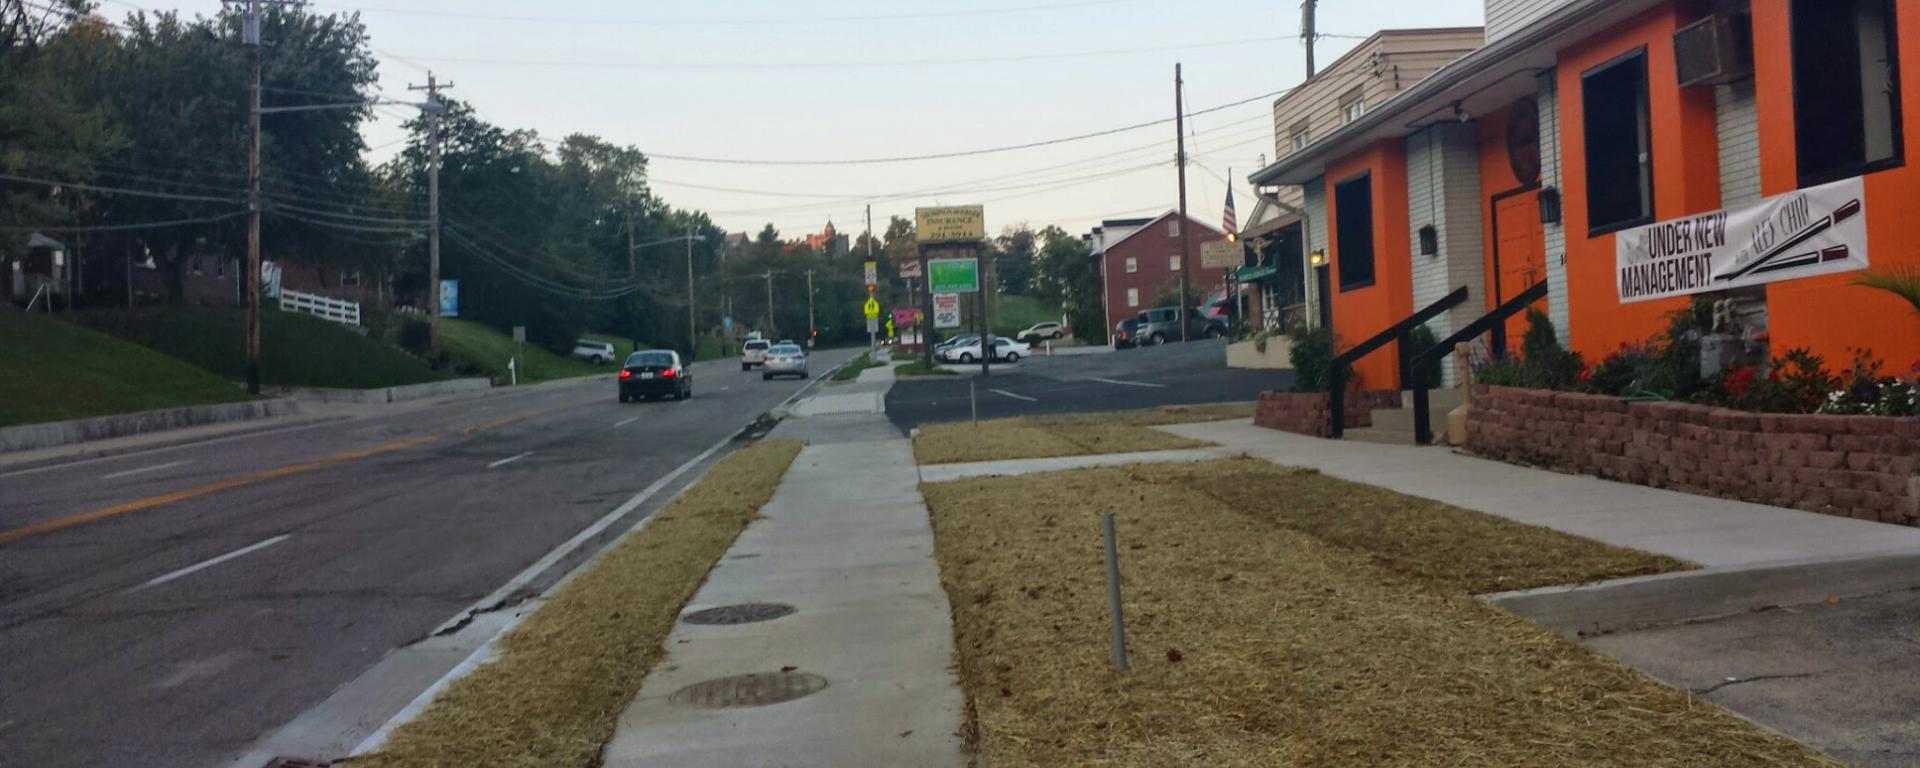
(1172, 374)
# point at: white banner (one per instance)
(1814, 231)
(946, 310)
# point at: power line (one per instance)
(412, 223)
(119, 190)
(855, 63)
(128, 227)
(764, 21)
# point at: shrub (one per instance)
(1419, 340)
(1543, 363)
(416, 336)
(1312, 359)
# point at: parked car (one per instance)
(1162, 324)
(784, 359)
(596, 352)
(654, 372)
(753, 353)
(1126, 333)
(1041, 332)
(1004, 350)
(951, 343)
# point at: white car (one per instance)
(1004, 350)
(753, 353)
(596, 352)
(1041, 332)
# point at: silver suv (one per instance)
(1162, 324)
(753, 353)
(596, 352)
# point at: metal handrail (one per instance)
(1337, 376)
(1495, 321)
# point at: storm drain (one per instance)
(750, 690)
(744, 613)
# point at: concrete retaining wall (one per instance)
(34, 436)
(387, 394)
(1247, 354)
(1865, 467)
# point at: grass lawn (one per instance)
(1013, 314)
(476, 347)
(852, 370)
(1280, 617)
(296, 350)
(53, 370)
(920, 368)
(1076, 434)
(564, 675)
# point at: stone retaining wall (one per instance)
(1865, 467)
(1307, 413)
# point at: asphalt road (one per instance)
(1170, 374)
(169, 607)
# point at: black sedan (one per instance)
(653, 373)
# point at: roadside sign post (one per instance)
(958, 229)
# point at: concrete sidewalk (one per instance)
(846, 543)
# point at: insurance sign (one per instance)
(1814, 231)
(955, 223)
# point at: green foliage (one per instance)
(1063, 276)
(1542, 364)
(1864, 390)
(1012, 314)
(852, 370)
(1419, 340)
(920, 368)
(56, 371)
(1902, 281)
(296, 350)
(1312, 356)
(474, 349)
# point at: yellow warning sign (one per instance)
(872, 308)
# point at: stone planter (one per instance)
(1307, 413)
(1865, 467)
(1247, 354)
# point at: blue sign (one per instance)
(726, 322)
(449, 298)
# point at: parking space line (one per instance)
(626, 421)
(209, 563)
(509, 460)
(1014, 396)
(1131, 383)
(144, 470)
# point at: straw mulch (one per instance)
(1293, 624)
(1076, 434)
(564, 675)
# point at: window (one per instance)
(1133, 265)
(1353, 231)
(1173, 228)
(1299, 136)
(349, 278)
(1846, 89)
(1353, 105)
(1619, 152)
(1133, 298)
(1173, 263)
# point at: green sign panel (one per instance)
(953, 275)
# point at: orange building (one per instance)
(1633, 154)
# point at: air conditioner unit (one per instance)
(1715, 50)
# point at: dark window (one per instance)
(1846, 88)
(1619, 149)
(1353, 231)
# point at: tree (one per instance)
(1064, 274)
(1013, 260)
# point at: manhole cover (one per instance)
(750, 690)
(744, 613)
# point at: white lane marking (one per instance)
(144, 470)
(205, 564)
(1014, 396)
(624, 422)
(509, 460)
(1131, 383)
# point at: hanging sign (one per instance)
(946, 310)
(910, 268)
(1221, 254)
(1814, 231)
(906, 315)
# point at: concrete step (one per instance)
(1376, 434)
(1440, 399)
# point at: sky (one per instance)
(831, 80)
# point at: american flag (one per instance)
(1228, 220)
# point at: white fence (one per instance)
(337, 310)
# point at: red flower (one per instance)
(1585, 375)
(1739, 381)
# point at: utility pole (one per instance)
(433, 88)
(810, 323)
(1180, 159)
(1307, 32)
(770, 303)
(693, 333)
(633, 262)
(250, 24)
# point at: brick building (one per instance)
(1136, 259)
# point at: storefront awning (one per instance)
(1255, 274)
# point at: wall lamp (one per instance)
(1318, 258)
(1549, 205)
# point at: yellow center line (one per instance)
(15, 534)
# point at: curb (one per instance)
(30, 437)
(1687, 596)
(387, 394)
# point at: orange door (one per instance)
(1519, 254)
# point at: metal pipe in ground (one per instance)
(973, 403)
(1113, 596)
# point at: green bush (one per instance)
(1312, 359)
(1542, 364)
(1419, 340)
